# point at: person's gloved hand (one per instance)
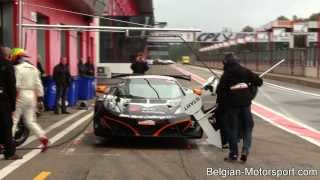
(208, 88)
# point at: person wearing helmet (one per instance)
(29, 88)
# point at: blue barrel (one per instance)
(93, 87)
(73, 92)
(50, 91)
(85, 86)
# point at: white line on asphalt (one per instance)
(52, 127)
(270, 84)
(18, 163)
(55, 125)
(275, 103)
(293, 90)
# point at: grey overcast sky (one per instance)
(213, 15)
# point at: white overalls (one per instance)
(29, 87)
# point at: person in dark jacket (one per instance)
(90, 68)
(62, 78)
(139, 66)
(7, 104)
(39, 67)
(82, 69)
(40, 106)
(234, 98)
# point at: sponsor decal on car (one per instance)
(153, 110)
(146, 116)
(134, 108)
(147, 123)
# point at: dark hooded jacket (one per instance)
(139, 67)
(7, 86)
(61, 75)
(234, 74)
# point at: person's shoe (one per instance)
(56, 112)
(66, 112)
(244, 158)
(13, 157)
(44, 141)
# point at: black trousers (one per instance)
(61, 94)
(221, 118)
(239, 126)
(6, 138)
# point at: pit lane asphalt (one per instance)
(88, 157)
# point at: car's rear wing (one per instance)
(176, 76)
(184, 77)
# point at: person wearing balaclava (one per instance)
(234, 103)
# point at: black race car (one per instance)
(144, 106)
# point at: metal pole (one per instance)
(118, 28)
(271, 68)
(20, 23)
(81, 30)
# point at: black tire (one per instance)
(21, 134)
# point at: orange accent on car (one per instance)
(101, 88)
(136, 133)
(170, 125)
(197, 91)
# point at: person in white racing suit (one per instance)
(29, 88)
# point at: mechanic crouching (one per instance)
(234, 100)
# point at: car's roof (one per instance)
(151, 77)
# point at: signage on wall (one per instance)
(223, 36)
(171, 37)
(262, 37)
(280, 35)
(300, 28)
(313, 37)
(214, 37)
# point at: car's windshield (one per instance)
(151, 88)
